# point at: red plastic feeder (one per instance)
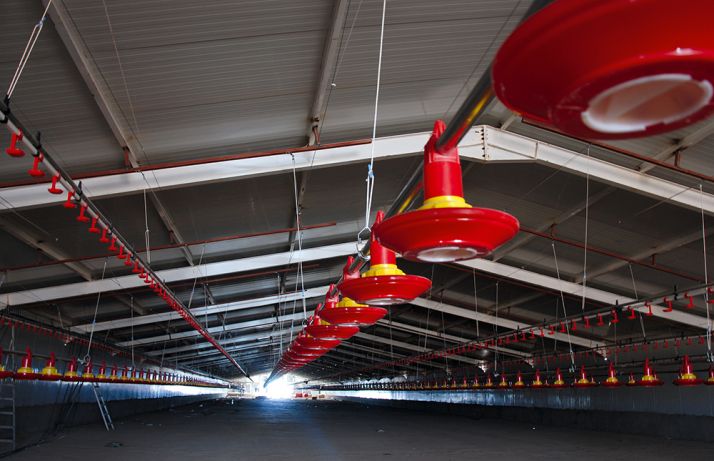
(320, 329)
(14, 150)
(583, 380)
(303, 352)
(71, 373)
(445, 228)
(537, 383)
(383, 284)
(687, 376)
(649, 379)
(49, 372)
(611, 380)
(26, 371)
(710, 378)
(611, 71)
(559, 383)
(309, 342)
(347, 311)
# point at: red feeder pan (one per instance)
(309, 342)
(583, 381)
(49, 372)
(303, 352)
(649, 379)
(559, 383)
(445, 228)
(26, 371)
(537, 383)
(687, 376)
(383, 284)
(612, 72)
(611, 380)
(346, 311)
(320, 329)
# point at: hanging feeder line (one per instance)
(632, 347)
(99, 223)
(546, 329)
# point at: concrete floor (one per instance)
(329, 430)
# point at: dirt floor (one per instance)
(330, 430)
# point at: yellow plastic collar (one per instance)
(444, 201)
(24, 370)
(49, 371)
(648, 378)
(71, 374)
(348, 302)
(558, 382)
(382, 269)
(612, 380)
(688, 376)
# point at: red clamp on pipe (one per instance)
(537, 382)
(649, 308)
(574, 325)
(112, 245)
(82, 217)
(587, 322)
(551, 329)
(383, 284)
(632, 315)
(614, 318)
(562, 327)
(127, 260)
(14, 150)
(523, 336)
(93, 229)
(532, 336)
(710, 377)
(600, 321)
(121, 254)
(445, 228)
(137, 269)
(669, 305)
(69, 204)
(35, 171)
(690, 304)
(347, 311)
(104, 238)
(53, 189)
(636, 81)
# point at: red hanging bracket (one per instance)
(14, 150)
(53, 188)
(35, 171)
(69, 204)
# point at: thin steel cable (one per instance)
(96, 310)
(146, 231)
(298, 235)
(31, 41)
(585, 242)
(710, 356)
(565, 312)
(476, 304)
(634, 289)
(370, 168)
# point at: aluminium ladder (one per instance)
(103, 410)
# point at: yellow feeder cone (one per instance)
(519, 381)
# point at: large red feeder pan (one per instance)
(687, 376)
(383, 284)
(318, 328)
(613, 71)
(611, 380)
(3, 372)
(649, 379)
(294, 357)
(445, 228)
(49, 372)
(302, 352)
(347, 311)
(309, 342)
(559, 382)
(583, 380)
(71, 373)
(26, 371)
(537, 382)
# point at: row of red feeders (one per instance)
(383, 283)
(445, 228)
(613, 71)
(50, 373)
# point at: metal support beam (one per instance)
(175, 275)
(209, 310)
(411, 347)
(499, 321)
(552, 283)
